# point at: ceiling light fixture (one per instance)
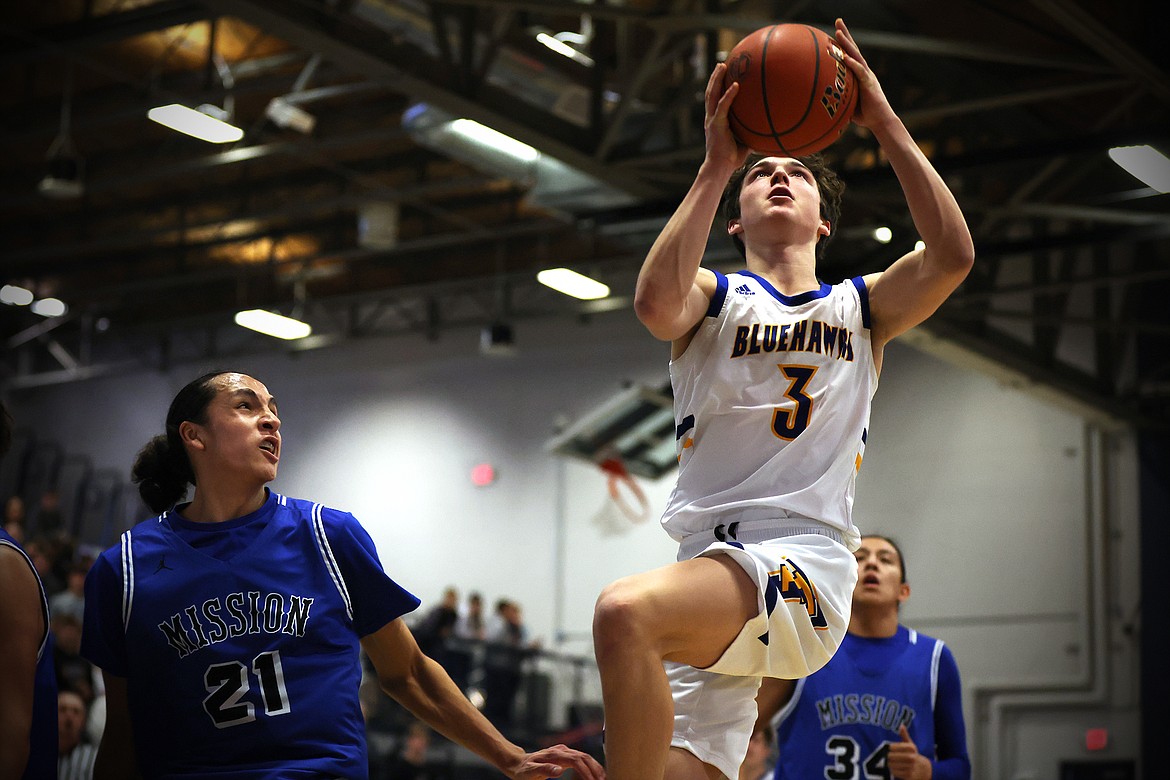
(569, 282)
(207, 123)
(564, 49)
(284, 111)
(64, 166)
(49, 307)
(494, 139)
(14, 295)
(273, 324)
(1145, 163)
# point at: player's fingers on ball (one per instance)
(723, 108)
(713, 82)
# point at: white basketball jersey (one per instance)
(772, 401)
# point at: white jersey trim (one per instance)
(330, 562)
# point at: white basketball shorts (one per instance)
(805, 583)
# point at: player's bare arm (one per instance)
(21, 627)
(423, 687)
(672, 292)
(915, 285)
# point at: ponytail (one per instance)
(162, 475)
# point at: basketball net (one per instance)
(624, 490)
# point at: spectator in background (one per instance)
(14, 518)
(470, 624)
(48, 517)
(71, 601)
(439, 624)
(758, 763)
(28, 685)
(40, 550)
(73, 671)
(75, 752)
(507, 647)
(410, 761)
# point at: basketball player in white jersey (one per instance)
(773, 373)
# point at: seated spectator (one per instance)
(74, 750)
(73, 671)
(14, 518)
(40, 551)
(48, 516)
(72, 599)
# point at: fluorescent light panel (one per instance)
(195, 123)
(272, 324)
(1145, 163)
(564, 49)
(482, 134)
(572, 283)
(15, 295)
(49, 307)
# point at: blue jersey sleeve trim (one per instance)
(863, 294)
(719, 296)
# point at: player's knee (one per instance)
(617, 618)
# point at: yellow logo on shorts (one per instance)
(793, 585)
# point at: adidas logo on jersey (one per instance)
(743, 289)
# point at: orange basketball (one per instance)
(796, 95)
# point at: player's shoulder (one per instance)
(143, 529)
(925, 641)
(313, 510)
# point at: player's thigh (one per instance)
(690, 610)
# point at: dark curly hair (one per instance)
(162, 469)
(829, 185)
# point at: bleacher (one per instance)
(96, 504)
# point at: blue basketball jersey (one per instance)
(841, 719)
(242, 657)
(42, 754)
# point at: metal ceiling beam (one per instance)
(127, 176)
(1092, 32)
(372, 52)
(164, 239)
(99, 30)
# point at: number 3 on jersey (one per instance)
(227, 683)
(788, 423)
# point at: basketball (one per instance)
(796, 95)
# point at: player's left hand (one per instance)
(872, 105)
(553, 761)
(905, 762)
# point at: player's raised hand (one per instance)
(722, 146)
(904, 761)
(872, 105)
(553, 761)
